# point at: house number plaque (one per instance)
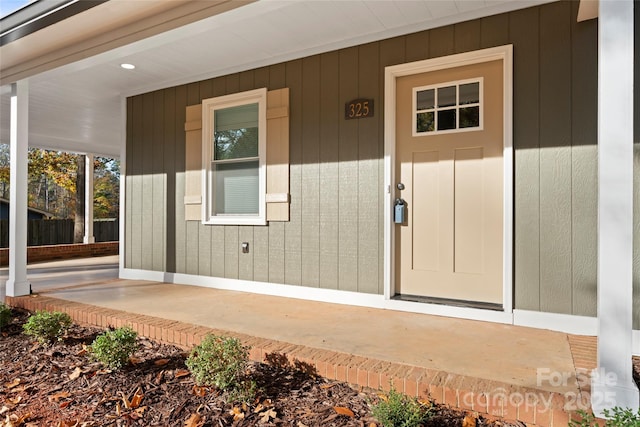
(358, 109)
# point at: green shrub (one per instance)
(222, 362)
(5, 315)
(114, 347)
(617, 417)
(47, 326)
(398, 410)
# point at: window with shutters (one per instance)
(234, 129)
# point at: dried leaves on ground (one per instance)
(60, 386)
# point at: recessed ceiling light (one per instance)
(128, 66)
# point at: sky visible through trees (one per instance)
(52, 182)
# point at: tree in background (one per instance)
(52, 182)
(106, 188)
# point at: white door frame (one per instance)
(504, 53)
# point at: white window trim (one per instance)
(208, 106)
(456, 107)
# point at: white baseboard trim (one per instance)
(635, 342)
(578, 325)
(333, 296)
(568, 323)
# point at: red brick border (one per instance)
(474, 395)
(58, 252)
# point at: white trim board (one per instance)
(503, 53)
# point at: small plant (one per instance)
(114, 347)
(47, 326)
(222, 362)
(398, 410)
(5, 315)
(617, 417)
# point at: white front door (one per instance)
(449, 162)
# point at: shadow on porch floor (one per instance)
(536, 376)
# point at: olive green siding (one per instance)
(636, 167)
(334, 239)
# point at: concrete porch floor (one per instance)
(534, 376)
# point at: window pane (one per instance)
(446, 96)
(236, 188)
(446, 119)
(236, 132)
(470, 93)
(424, 122)
(424, 99)
(469, 117)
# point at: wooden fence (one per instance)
(59, 231)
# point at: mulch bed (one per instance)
(60, 386)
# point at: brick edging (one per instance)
(484, 397)
(59, 252)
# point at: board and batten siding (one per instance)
(334, 238)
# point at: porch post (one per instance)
(19, 143)
(88, 200)
(612, 383)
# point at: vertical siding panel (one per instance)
(329, 147)
(293, 228)
(348, 173)
(441, 41)
(584, 154)
(391, 53)
(417, 47)
(261, 77)
(129, 184)
(368, 168)
(204, 231)
(494, 30)
(217, 251)
(555, 159)
(261, 254)
(245, 261)
(636, 157)
(277, 80)
(233, 83)
(231, 251)
(246, 81)
(193, 227)
(310, 239)
(466, 36)
(636, 186)
(204, 249)
(146, 261)
(181, 224)
(219, 88)
(636, 233)
(158, 222)
(261, 234)
(170, 172)
(524, 29)
(135, 166)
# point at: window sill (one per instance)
(235, 220)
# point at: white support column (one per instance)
(19, 144)
(613, 383)
(88, 200)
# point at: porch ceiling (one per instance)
(77, 106)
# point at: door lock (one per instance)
(400, 186)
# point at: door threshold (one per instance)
(449, 301)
